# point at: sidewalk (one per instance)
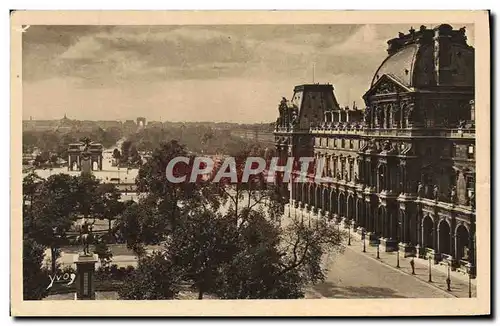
(459, 282)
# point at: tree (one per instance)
(255, 259)
(109, 205)
(125, 150)
(35, 278)
(155, 278)
(225, 237)
(116, 155)
(167, 196)
(141, 224)
(103, 253)
(52, 213)
(88, 198)
(54, 159)
(135, 158)
(42, 158)
(31, 183)
(200, 244)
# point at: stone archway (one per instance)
(312, 198)
(317, 196)
(350, 208)
(462, 243)
(444, 237)
(334, 202)
(360, 214)
(326, 201)
(305, 194)
(342, 204)
(298, 186)
(428, 232)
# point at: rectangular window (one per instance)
(351, 170)
(470, 180)
(470, 152)
(453, 150)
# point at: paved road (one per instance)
(354, 275)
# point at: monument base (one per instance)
(372, 239)
(406, 250)
(85, 270)
(388, 245)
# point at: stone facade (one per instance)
(404, 169)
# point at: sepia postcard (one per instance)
(250, 163)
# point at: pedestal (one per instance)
(419, 251)
(85, 282)
(388, 245)
(372, 239)
(406, 250)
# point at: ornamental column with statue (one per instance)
(85, 265)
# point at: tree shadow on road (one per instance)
(331, 290)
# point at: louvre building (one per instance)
(403, 168)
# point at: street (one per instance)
(354, 275)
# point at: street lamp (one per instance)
(378, 250)
(349, 241)
(430, 272)
(448, 279)
(364, 239)
(469, 267)
(397, 255)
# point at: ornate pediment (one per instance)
(387, 85)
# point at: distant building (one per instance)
(80, 156)
(155, 124)
(107, 124)
(129, 126)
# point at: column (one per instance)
(422, 240)
(387, 177)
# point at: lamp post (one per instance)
(448, 279)
(364, 240)
(349, 238)
(469, 266)
(430, 272)
(397, 255)
(378, 250)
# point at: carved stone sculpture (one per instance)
(420, 189)
(435, 192)
(453, 195)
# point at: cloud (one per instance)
(238, 71)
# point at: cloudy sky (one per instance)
(194, 73)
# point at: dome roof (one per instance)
(411, 59)
(399, 65)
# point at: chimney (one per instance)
(442, 54)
